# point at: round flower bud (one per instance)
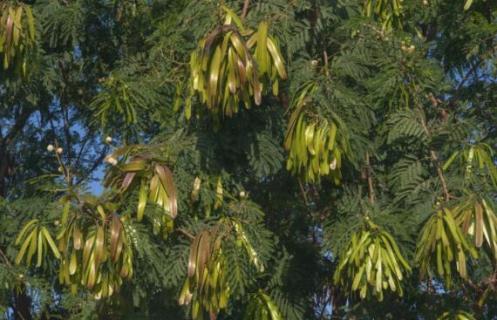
(108, 139)
(60, 169)
(314, 63)
(59, 150)
(242, 194)
(111, 160)
(50, 148)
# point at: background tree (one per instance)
(248, 159)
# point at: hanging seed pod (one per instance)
(206, 287)
(442, 247)
(17, 35)
(316, 145)
(388, 12)
(36, 239)
(372, 263)
(262, 307)
(456, 315)
(153, 180)
(477, 219)
(226, 73)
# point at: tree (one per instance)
(248, 159)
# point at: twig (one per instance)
(20, 315)
(433, 154)
(371, 194)
(304, 194)
(309, 211)
(325, 58)
(436, 162)
(4, 257)
(245, 9)
(65, 169)
(465, 78)
(186, 233)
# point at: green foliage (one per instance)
(368, 110)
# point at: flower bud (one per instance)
(110, 160)
(242, 194)
(108, 139)
(50, 148)
(59, 150)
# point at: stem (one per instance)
(435, 160)
(440, 174)
(246, 4)
(325, 58)
(186, 233)
(309, 211)
(4, 257)
(304, 194)
(433, 154)
(65, 169)
(371, 194)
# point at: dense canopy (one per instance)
(248, 159)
